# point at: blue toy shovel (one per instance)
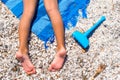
(82, 38)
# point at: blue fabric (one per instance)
(41, 25)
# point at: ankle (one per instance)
(61, 48)
(23, 51)
(61, 52)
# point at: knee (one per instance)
(29, 13)
(51, 10)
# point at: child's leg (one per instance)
(53, 12)
(24, 29)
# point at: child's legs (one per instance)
(53, 12)
(24, 29)
(25, 22)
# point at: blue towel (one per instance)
(41, 25)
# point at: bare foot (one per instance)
(26, 63)
(58, 61)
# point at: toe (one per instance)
(31, 69)
(51, 68)
(57, 69)
(31, 72)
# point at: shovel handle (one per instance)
(95, 26)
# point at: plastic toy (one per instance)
(83, 38)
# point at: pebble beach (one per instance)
(100, 62)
